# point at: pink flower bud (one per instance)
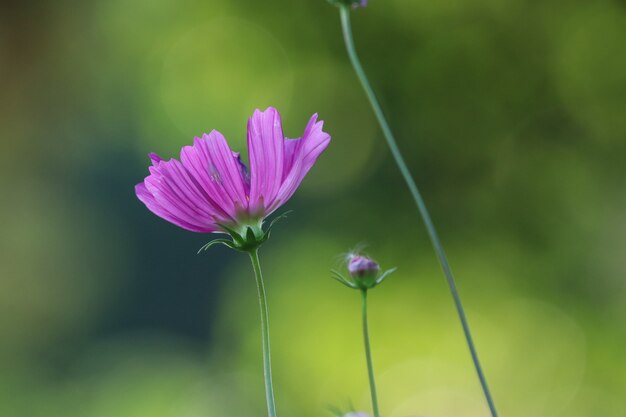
(362, 267)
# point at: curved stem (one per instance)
(368, 354)
(419, 201)
(265, 330)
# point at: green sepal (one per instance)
(266, 235)
(345, 281)
(383, 276)
(251, 241)
(237, 238)
(224, 242)
(250, 235)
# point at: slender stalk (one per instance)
(368, 354)
(265, 330)
(419, 201)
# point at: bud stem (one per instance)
(265, 331)
(368, 354)
(419, 201)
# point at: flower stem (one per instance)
(368, 354)
(265, 330)
(419, 201)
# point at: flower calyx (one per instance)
(245, 237)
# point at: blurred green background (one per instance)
(512, 115)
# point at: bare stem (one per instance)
(419, 201)
(368, 354)
(265, 330)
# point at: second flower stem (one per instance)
(265, 331)
(419, 201)
(368, 354)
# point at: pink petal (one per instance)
(225, 169)
(300, 156)
(217, 171)
(155, 158)
(174, 190)
(148, 199)
(245, 174)
(266, 149)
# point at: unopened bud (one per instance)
(362, 267)
(364, 274)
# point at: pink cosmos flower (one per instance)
(211, 190)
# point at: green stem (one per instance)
(368, 354)
(265, 330)
(419, 201)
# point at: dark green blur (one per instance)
(511, 115)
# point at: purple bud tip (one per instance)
(360, 3)
(361, 266)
